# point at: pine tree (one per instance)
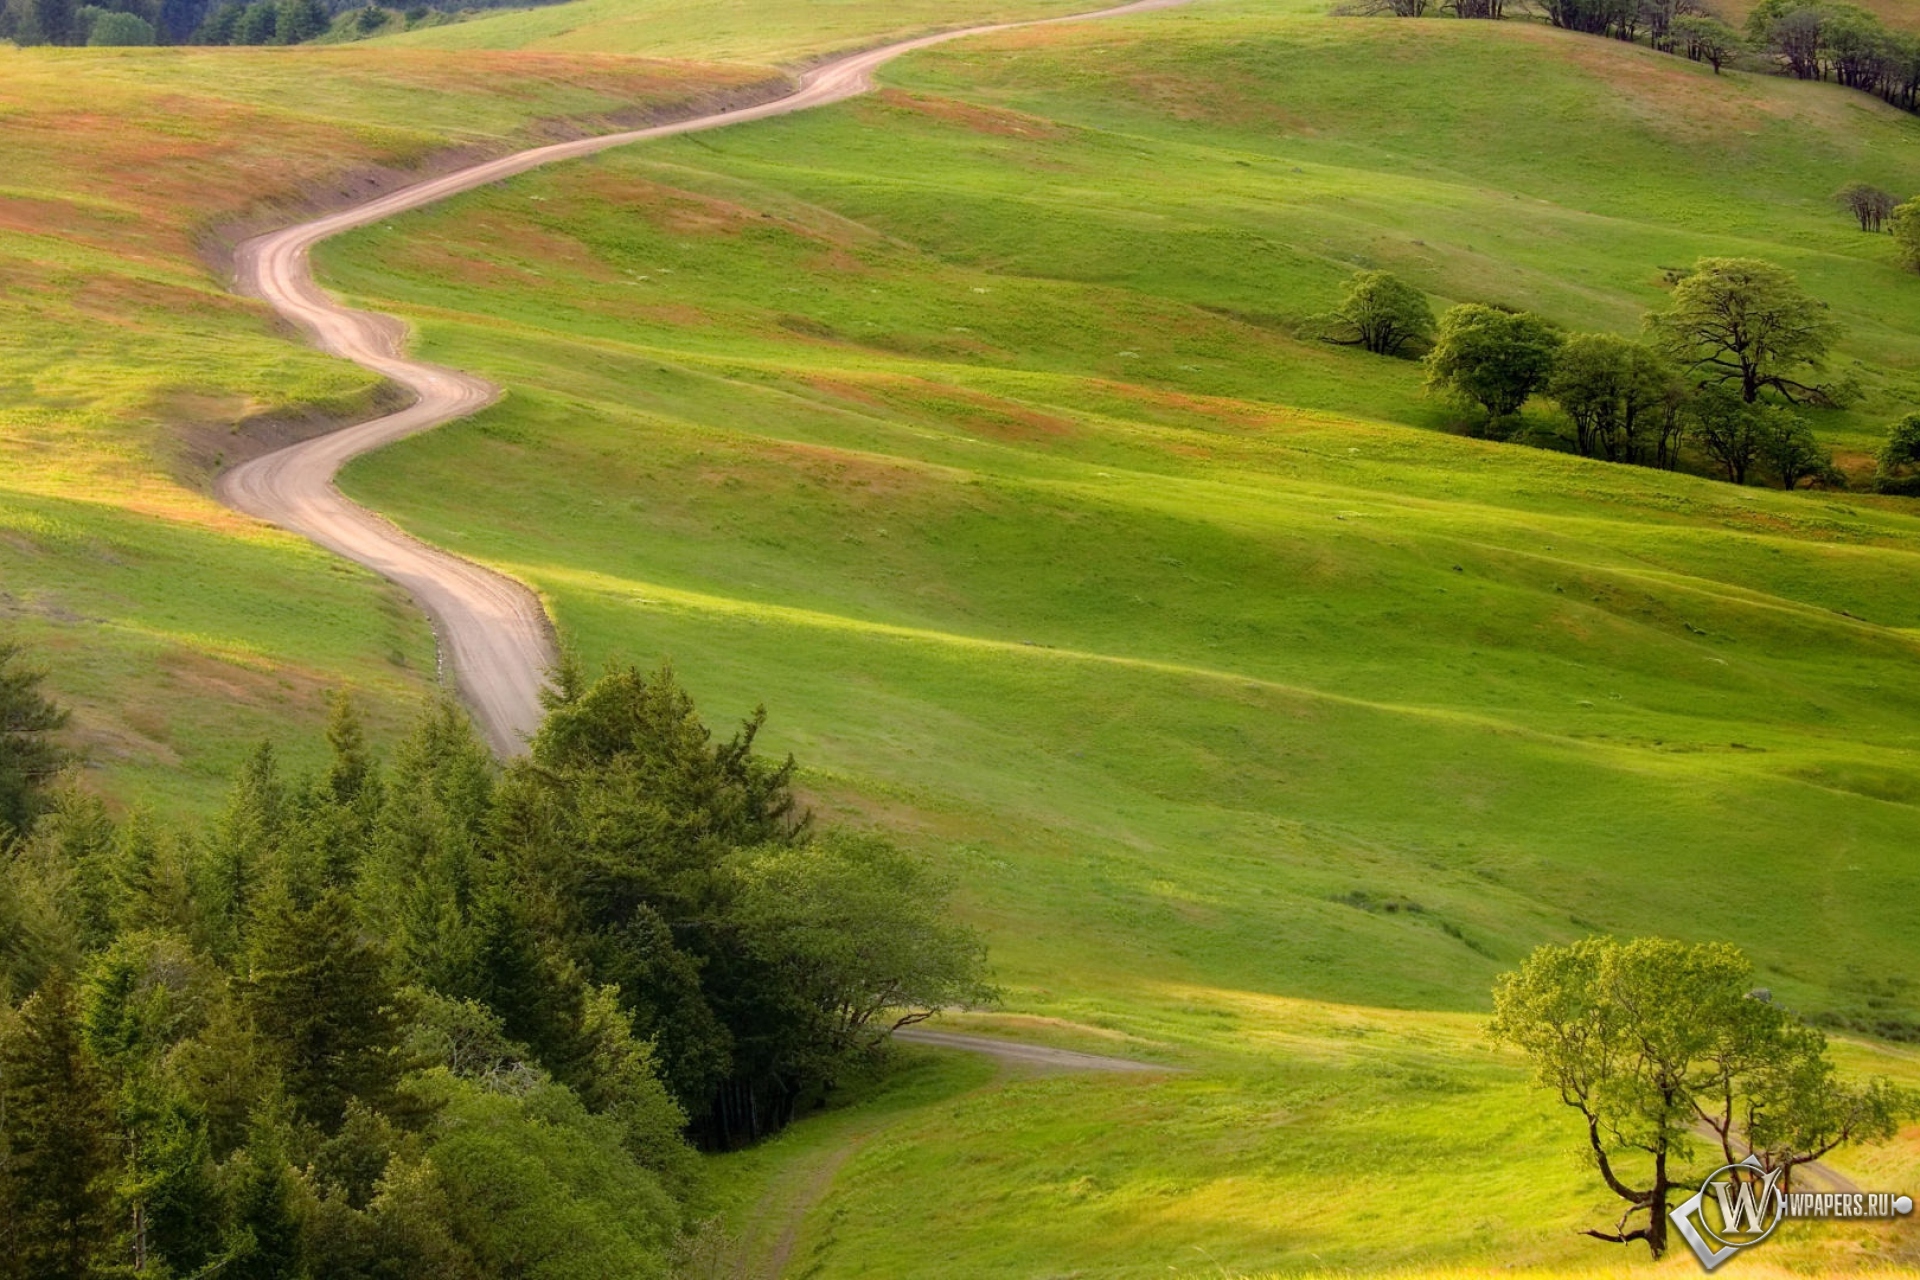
(262, 1188)
(236, 860)
(59, 1134)
(28, 755)
(319, 993)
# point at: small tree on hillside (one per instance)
(1705, 38)
(1869, 205)
(1727, 429)
(1791, 30)
(1747, 324)
(29, 757)
(1652, 1041)
(1495, 359)
(1788, 446)
(1380, 312)
(1900, 455)
(1617, 392)
(1904, 222)
(56, 1128)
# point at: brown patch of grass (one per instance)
(972, 411)
(993, 121)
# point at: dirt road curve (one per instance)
(493, 632)
(1025, 1055)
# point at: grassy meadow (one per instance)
(1262, 714)
(1263, 717)
(178, 632)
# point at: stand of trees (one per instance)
(432, 1018)
(1809, 39)
(1676, 1065)
(1725, 367)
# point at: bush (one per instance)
(1904, 222)
(1901, 452)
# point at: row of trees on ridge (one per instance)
(1808, 39)
(1725, 367)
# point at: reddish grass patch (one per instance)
(993, 121)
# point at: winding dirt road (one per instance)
(493, 632)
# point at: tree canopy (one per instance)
(1747, 324)
(1493, 358)
(1623, 397)
(1654, 1043)
(1382, 313)
(434, 1017)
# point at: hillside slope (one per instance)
(966, 427)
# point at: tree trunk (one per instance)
(1657, 1206)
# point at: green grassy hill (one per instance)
(1263, 717)
(178, 632)
(965, 427)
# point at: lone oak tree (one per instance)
(1747, 323)
(1652, 1041)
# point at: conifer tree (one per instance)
(235, 862)
(59, 1135)
(318, 991)
(29, 757)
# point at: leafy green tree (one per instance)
(48, 22)
(1904, 222)
(1788, 446)
(1727, 429)
(175, 1183)
(227, 1072)
(1495, 359)
(58, 1127)
(1382, 313)
(1747, 323)
(619, 1081)
(1791, 30)
(1704, 38)
(1869, 205)
(535, 1186)
(319, 992)
(1902, 447)
(1621, 396)
(858, 934)
(428, 860)
(143, 995)
(1651, 1040)
(29, 756)
(264, 1238)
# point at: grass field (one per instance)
(721, 30)
(178, 632)
(1263, 718)
(1263, 721)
